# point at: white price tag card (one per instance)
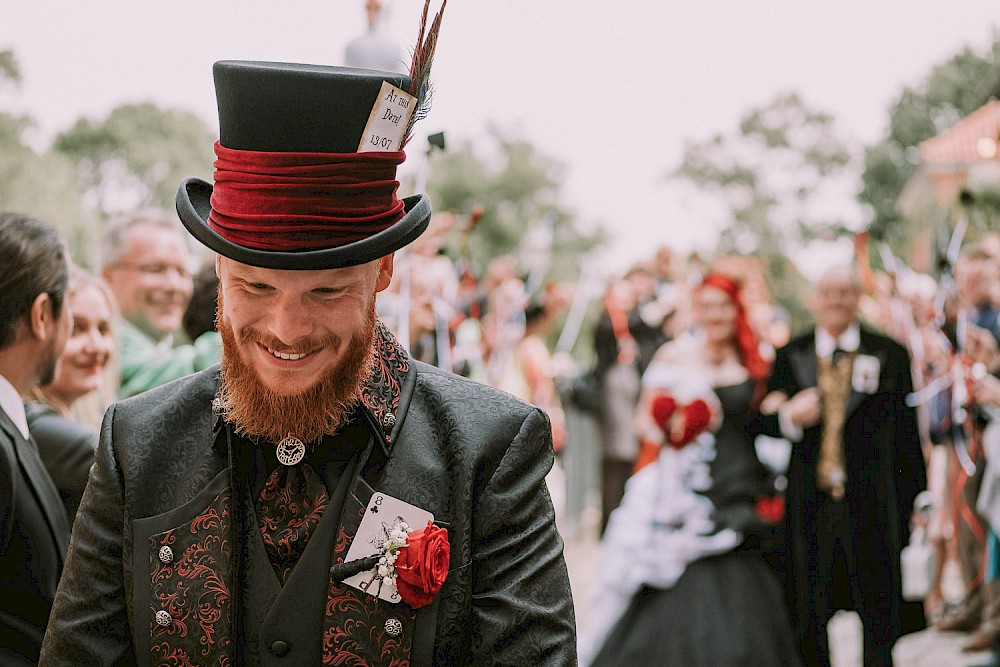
(388, 120)
(381, 515)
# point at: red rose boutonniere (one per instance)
(409, 565)
(771, 509)
(422, 565)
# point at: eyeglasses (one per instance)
(156, 269)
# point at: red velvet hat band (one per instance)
(303, 201)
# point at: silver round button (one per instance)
(388, 421)
(166, 554)
(163, 618)
(393, 627)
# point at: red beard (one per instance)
(258, 413)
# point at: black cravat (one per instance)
(288, 511)
(838, 354)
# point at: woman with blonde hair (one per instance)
(64, 415)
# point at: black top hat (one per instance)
(281, 125)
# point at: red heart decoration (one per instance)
(662, 407)
(697, 416)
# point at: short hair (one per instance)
(849, 271)
(33, 261)
(199, 316)
(117, 229)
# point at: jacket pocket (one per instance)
(182, 597)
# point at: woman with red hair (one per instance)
(683, 578)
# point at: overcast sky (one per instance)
(610, 89)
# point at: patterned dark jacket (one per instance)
(150, 573)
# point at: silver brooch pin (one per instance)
(388, 421)
(290, 450)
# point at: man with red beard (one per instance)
(227, 519)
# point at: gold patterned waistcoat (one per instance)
(834, 381)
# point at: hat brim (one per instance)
(194, 205)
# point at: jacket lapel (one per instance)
(384, 398)
(856, 398)
(803, 362)
(383, 389)
(41, 484)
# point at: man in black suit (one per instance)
(855, 469)
(34, 326)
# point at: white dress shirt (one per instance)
(848, 341)
(11, 403)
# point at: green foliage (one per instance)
(984, 212)
(9, 70)
(768, 175)
(137, 156)
(518, 188)
(950, 92)
(41, 185)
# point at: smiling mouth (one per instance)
(287, 356)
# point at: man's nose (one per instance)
(180, 280)
(95, 342)
(290, 320)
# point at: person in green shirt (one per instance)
(145, 262)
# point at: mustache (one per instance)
(301, 346)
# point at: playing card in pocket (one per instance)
(382, 514)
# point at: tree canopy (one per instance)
(137, 156)
(951, 91)
(518, 190)
(781, 178)
(40, 184)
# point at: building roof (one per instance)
(968, 140)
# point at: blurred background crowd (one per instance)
(506, 288)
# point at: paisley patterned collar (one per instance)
(381, 391)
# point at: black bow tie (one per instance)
(837, 355)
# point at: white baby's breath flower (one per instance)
(395, 540)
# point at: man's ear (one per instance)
(384, 272)
(41, 317)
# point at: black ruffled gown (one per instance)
(725, 610)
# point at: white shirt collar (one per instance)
(849, 341)
(11, 403)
